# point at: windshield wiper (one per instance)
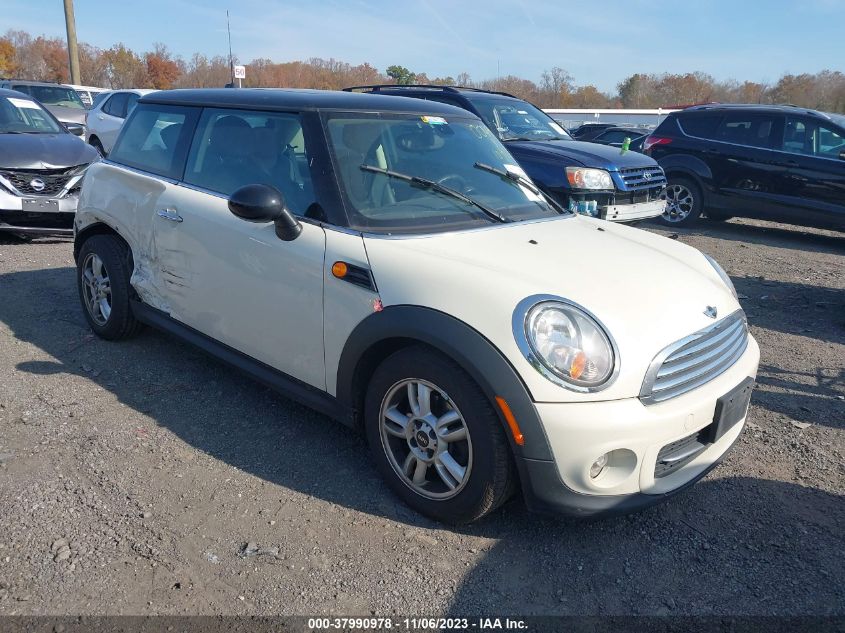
(521, 180)
(433, 185)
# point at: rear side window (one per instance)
(116, 106)
(747, 129)
(156, 139)
(701, 126)
(234, 148)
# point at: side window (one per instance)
(156, 139)
(617, 136)
(831, 142)
(233, 148)
(700, 126)
(747, 129)
(803, 136)
(797, 138)
(116, 106)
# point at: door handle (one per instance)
(792, 163)
(169, 214)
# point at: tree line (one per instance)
(24, 56)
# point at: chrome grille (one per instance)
(695, 360)
(54, 180)
(642, 178)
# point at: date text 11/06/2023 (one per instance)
(414, 624)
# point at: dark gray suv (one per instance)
(41, 168)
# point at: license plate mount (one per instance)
(39, 205)
(731, 408)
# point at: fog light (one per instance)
(598, 465)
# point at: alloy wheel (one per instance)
(425, 438)
(96, 289)
(679, 203)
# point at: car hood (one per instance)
(44, 151)
(68, 115)
(648, 291)
(587, 154)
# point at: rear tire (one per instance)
(446, 456)
(684, 202)
(103, 269)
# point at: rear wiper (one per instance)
(433, 185)
(521, 180)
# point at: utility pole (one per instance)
(72, 51)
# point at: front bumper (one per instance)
(578, 433)
(615, 206)
(54, 222)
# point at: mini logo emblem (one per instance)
(711, 312)
(37, 184)
(422, 439)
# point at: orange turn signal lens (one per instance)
(518, 437)
(579, 363)
(339, 270)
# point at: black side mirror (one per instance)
(77, 129)
(263, 203)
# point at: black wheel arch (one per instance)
(97, 228)
(687, 166)
(382, 333)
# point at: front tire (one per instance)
(436, 438)
(684, 202)
(103, 270)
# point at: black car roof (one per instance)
(30, 82)
(298, 99)
(5, 92)
(757, 107)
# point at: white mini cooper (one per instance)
(385, 261)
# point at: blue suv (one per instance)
(605, 182)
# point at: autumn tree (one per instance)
(162, 69)
(126, 68)
(8, 63)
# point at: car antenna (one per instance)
(231, 63)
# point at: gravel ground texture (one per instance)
(144, 478)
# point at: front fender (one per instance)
(454, 338)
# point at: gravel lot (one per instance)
(144, 478)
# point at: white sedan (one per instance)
(106, 118)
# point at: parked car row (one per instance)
(386, 261)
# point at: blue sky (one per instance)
(597, 42)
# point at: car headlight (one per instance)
(721, 272)
(584, 178)
(565, 343)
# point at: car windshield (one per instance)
(519, 120)
(419, 174)
(24, 116)
(53, 95)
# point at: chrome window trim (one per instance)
(646, 396)
(519, 323)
